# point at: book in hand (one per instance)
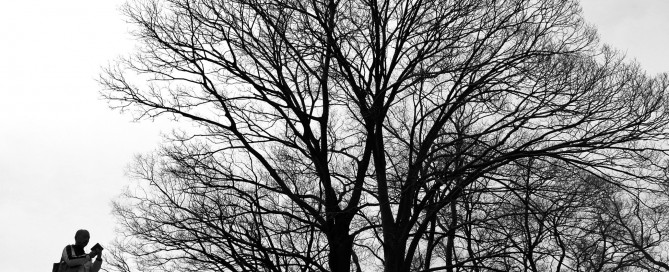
(96, 247)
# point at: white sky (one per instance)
(63, 152)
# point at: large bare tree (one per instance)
(335, 135)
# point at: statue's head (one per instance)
(81, 238)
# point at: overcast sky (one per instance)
(63, 152)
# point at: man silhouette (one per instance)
(76, 258)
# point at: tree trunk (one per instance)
(451, 237)
(394, 255)
(341, 249)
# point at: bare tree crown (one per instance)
(339, 135)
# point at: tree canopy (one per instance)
(398, 135)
